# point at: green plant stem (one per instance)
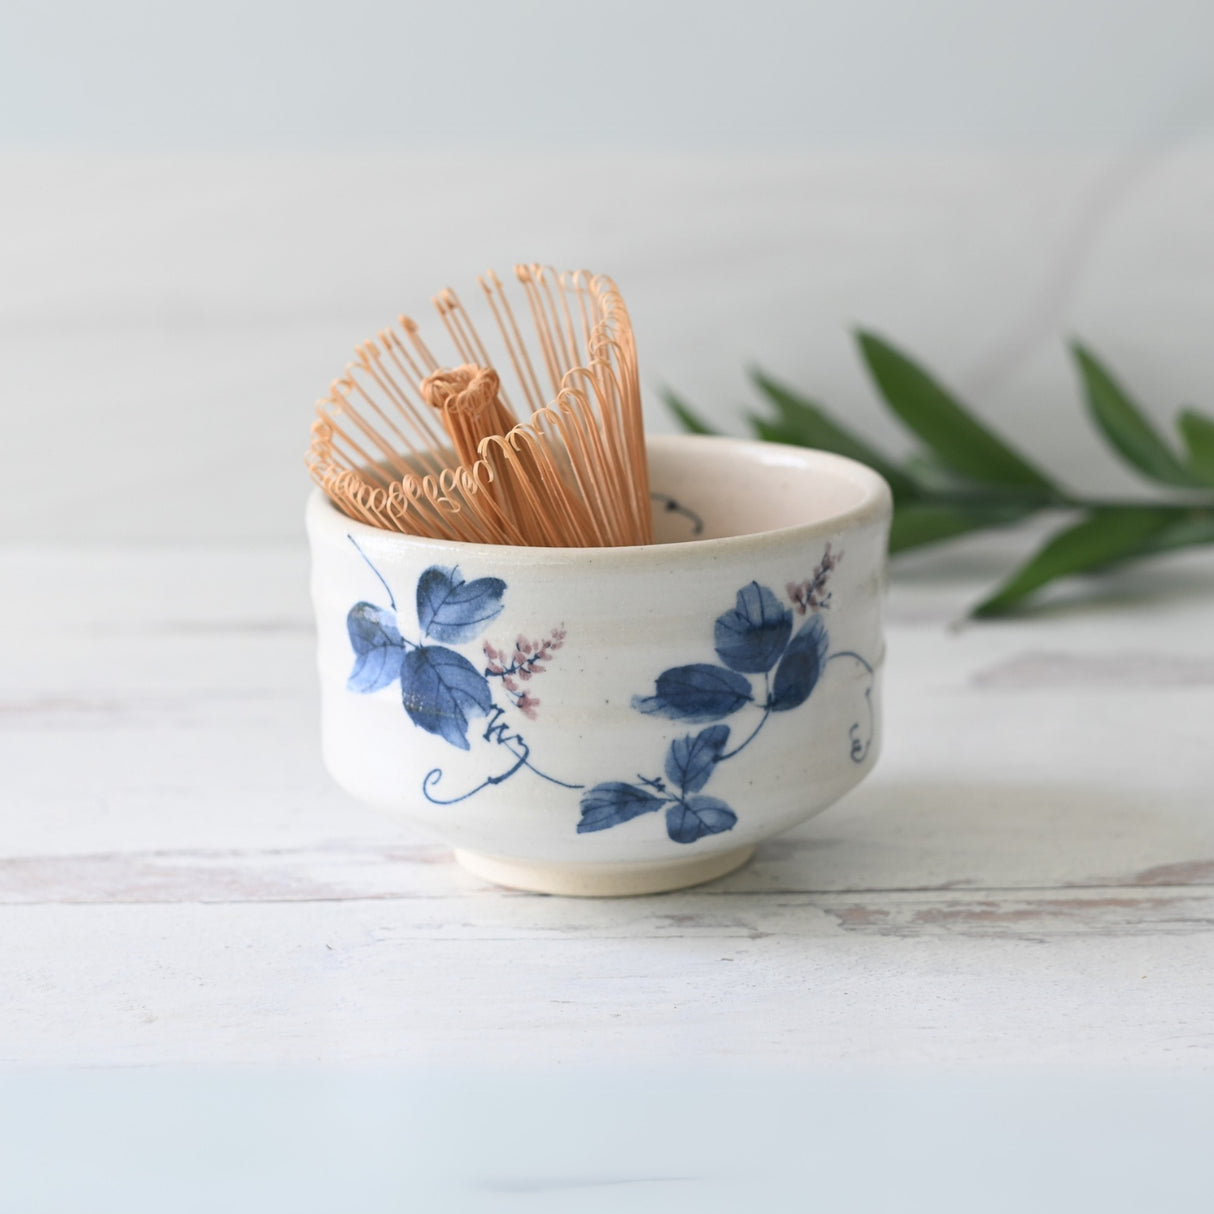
(964, 478)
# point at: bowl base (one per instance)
(601, 880)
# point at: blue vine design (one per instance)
(442, 691)
(756, 637)
(672, 506)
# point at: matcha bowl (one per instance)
(605, 721)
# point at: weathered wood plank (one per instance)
(516, 981)
(401, 871)
(1027, 877)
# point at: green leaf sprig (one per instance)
(966, 478)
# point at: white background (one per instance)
(205, 207)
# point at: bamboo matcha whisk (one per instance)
(406, 444)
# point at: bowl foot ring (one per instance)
(602, 880)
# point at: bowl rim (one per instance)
(875, 505)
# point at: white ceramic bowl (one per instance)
(615, 720)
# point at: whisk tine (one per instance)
(515, 345)
(463, 333)
(444, 310)
(340, 399)
(578, 279)
(397, 393)
(568, 346)
(543, 327)
(454, 314)
(405, 445)
(397, 351)
(409, 327)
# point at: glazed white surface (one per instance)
(1026, 878)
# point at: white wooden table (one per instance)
(982, 982)
(1027, 878)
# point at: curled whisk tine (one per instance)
(531, 278)
(344, 439)
(579, 282)
(404, 445)
(408, 326)
(582, 440)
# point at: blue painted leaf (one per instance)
(698, 816)
(452, 610)
(441, 689)
(752, 636)
(690, 760)
(800, 667)
(696, 693)
(378, 647)
(607, 805)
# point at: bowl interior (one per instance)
(704, 488)
(728, 487)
